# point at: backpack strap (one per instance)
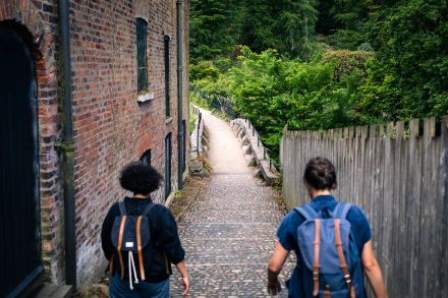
(138, 231)
(111, 265)
(120, 243)
(307, 211)
(316, 257)
(342, 260)
(148, 209)
(341, 210)
(122, 207)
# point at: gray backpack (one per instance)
(130, 235)
(328, 251)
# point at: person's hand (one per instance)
(182, 268)
(275, 265)
(274, 286)
(185, 285)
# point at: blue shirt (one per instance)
(300, 284)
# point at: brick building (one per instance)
(86, 87)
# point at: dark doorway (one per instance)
(168, 154)
(19, 171)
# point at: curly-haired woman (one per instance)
(164, 247)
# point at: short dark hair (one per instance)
(140, 178)
(320, 174)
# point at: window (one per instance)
(167, 75)
(168, 153)
(146, 158)
(142, 62)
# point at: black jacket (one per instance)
(164, 248)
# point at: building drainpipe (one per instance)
(67, 145)
(180, 71)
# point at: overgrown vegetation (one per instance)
(320, 64)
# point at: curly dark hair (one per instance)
(140, 178)
(320, 174)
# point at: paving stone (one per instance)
(228, 233)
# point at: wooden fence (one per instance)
(398, 173)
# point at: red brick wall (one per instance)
(40, 19)
(111, 129)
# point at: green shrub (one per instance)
(335, 89)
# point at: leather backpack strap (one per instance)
(111, 265)
(120, 243)
(316, 258)
(138, 231)
(342, 260)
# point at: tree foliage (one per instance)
(273, 91)
(318, 64)
(412, 70)
(217, 27)
(212, 33)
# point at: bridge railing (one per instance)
(252, 143)
(398, 173)
(197, 134)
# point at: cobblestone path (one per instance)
(229, 231)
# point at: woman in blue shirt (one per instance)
(320, 179)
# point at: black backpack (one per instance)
(130, 235)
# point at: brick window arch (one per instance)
(146, 158)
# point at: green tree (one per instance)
(211, 26)
(218, 26)
(360, 62)
(411, 75)
(284, 25)
(346, 23)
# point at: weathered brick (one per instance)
(110, 128)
